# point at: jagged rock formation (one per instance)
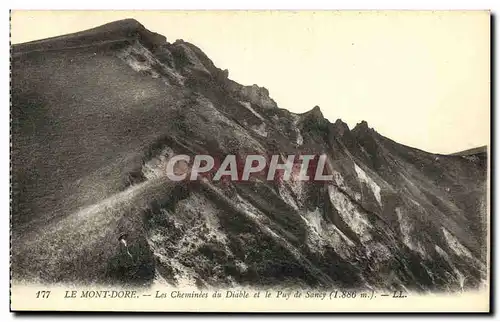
(97, 114)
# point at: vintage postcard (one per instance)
(250, 161)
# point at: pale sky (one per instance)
(419, 78)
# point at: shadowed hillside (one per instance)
(97, 114)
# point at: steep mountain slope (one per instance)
(97, 114)
(482, 150)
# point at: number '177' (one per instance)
(42, 294)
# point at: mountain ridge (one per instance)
(131, 29)
(111, 115)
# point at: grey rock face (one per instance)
(93, 125)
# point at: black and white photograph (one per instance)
(250, 160)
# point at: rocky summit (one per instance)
(97, 114)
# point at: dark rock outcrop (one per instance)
(97, 114)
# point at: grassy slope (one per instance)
(76, 135)
(78, 132)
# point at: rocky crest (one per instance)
(97, 114)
